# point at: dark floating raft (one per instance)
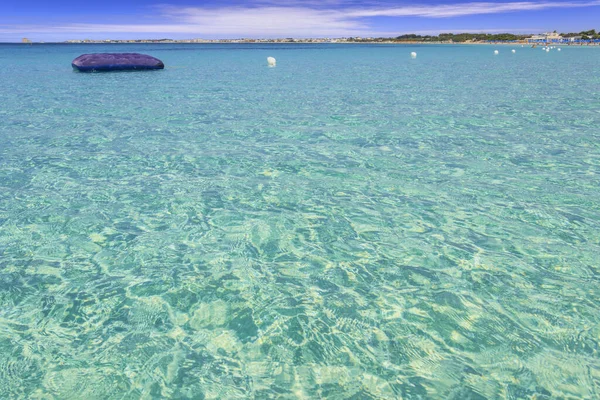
(116, 62)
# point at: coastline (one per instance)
(309, 41)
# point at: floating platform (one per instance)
(116, 62)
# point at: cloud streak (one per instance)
(299, 19)
(464, 9)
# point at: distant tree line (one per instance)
(473, 37)
(462, 37)
(446, 37)
(585, 35)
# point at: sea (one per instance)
(353, 223)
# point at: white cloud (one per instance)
(272, 18)
(266, 20)
(463, 9)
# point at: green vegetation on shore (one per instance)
(462, 37)
(476, 37)
(585, 35)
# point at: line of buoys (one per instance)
(272, 62)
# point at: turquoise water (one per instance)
(352, 224)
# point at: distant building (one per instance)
(25, 40)
(545, 37)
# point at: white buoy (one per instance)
(513, 50)
(547, 50)
(271, 61)
(558, 49)
(495, 51)
(413, 55)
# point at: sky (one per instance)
(59, 20)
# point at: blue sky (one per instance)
(57, 20)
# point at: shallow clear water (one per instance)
(353, 223)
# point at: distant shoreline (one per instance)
(225, 41)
